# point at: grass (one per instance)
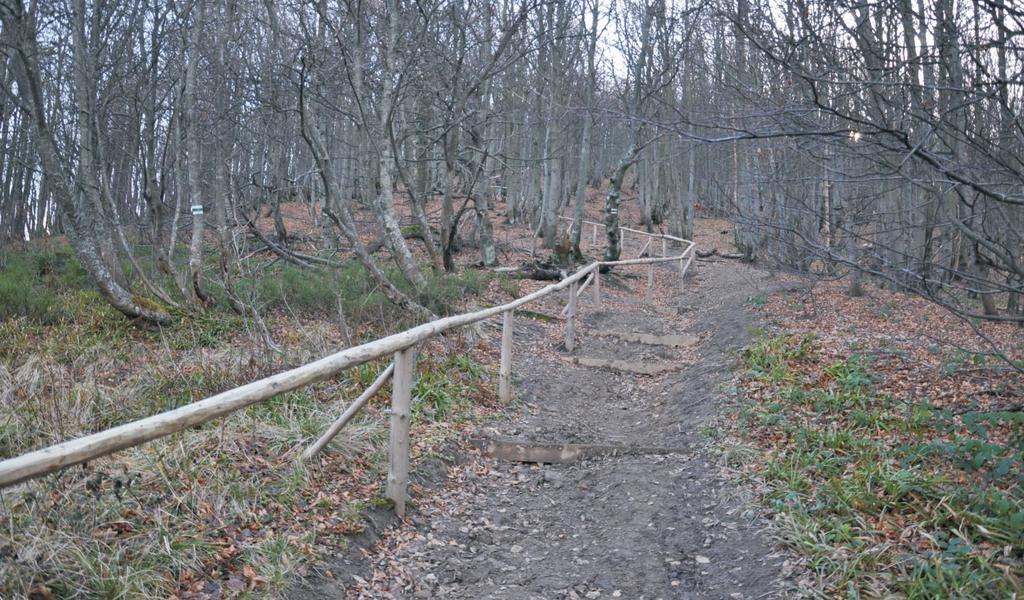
(883, 497)
(302, 291)
(225, 507)
(28, 281)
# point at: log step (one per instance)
(672, 341)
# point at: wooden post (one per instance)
(682, 274)
(570, 324)
(664, 247)
(593, 237)
(597, 287)
(349, 413)
(644, 249)
(505, 371)
(398, 447)
(650, 279)
(580, 290)
(89, 447)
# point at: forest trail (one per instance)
(633, 525)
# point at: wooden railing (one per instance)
(402, 346)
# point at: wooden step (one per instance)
(650, 339)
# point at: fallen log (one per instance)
(538, 271)
(715, 252)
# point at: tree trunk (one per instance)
(20, 29)
(343, 219)
(195, 189)
(611, 205)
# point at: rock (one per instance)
(553, 477)
(483, 537)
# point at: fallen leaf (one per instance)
(40, 592)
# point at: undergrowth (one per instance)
(30, 280)
(884, 497)
(292, 288)
(226, 508)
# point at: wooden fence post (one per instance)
(664, 247)
(689, 261)
(650, 279)
(505, 372)
(684, 264)
(570, 324)
(597, 287)
(398, 447)
(593, 237)
(682, 274)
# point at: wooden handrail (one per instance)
(663, 236)
(72, 452)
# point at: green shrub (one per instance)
(444, 290)
(304, 290)
(31, 280)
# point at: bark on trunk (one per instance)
(343, 219)
(611, 206)
(195, 191)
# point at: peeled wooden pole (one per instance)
(684, 266)
(80, 450)
(639, 231)
(682, 274)
(83, 449)
(597, 288)
(570, 324)
(582, 288)
(505, 371)
(350, 412)
(73, 452)
(644, 248)
(664, 246)
(579, 291)
(401, 416)
(650, 278)
(593, 236)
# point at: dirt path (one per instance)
(632, 526)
